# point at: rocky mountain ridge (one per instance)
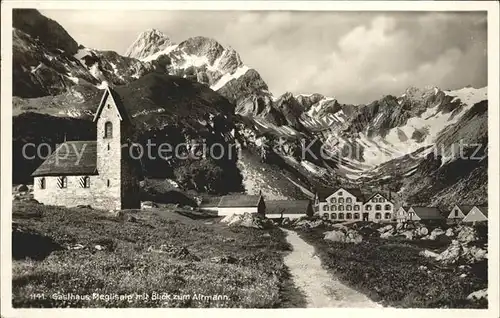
(367, 145)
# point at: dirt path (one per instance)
(320, 288)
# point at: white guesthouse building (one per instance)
(350, 204)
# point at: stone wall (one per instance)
(96, 195)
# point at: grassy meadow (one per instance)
(151, 258)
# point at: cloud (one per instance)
(354, 56)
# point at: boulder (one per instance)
(308, 224)
(430, 254)
(466, 234)
(451, 254)
(148, 205)
(449, 232)
(252, 220)
(422, 231)
(478, 294)
(435, 233)
(386, 228)
(386, 234)
(335, 236)
(408, 234)
(99, 247)
(353, 237)
(474, 254)
(285, 222)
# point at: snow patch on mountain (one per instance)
(240, 71)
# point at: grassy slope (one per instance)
(254, 277)
(388, 272)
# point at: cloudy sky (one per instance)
(354, 56)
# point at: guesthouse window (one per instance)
(333, 200)
(108, 130)
(378, 216)
(334, 216)
(348, 207)
(348, 200)
(387, 207)
(341, 216)
(348, 216)
(381, 200)
(341, 208)
(368, 207)
(356, 208)
(356, 216)
(340, 193)
(325, 215)
(85, 182)
(62, 182)
(387, 216)
(374, 200)
(341, 200)
(456, 212)
(378, 207)
(333, 208)
(41, 183)
(326, 208)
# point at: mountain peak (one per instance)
(148, 43)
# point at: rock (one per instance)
(76, 247)
(131, 218)
(386, 234)
(451, 254)
(410, 226)
(474, 254)
(386, 228)
(266, 235)
(148, 205)
(334, 236)
(285, 222)
(251, 220)
(224, 260)
(339, 226)
(353, 237)
(408, 235)
(422, 231)
(308, 224)
(99, 247)
(463, 275)
(478, 294)
(435, 233)
(422, 267)
(466, 234)
(427, 253)
(22, 188)
(449, 232)
(339, 236)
